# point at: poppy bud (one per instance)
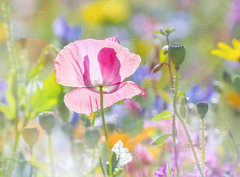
(92, 136)
(30, 135)
(47, 121)
(177, 54)
(67, 128)
(202, 109)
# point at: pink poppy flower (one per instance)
(88, 64)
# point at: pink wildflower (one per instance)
(89, 64)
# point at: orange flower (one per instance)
(234, 99)
(129, 142)
(79, 131)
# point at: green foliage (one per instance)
(165, 115)
(42, 60)
(92, 136)
(10, 110)
(165, 32)
(47, 97)
(161, 139)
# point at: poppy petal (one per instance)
(85, 100)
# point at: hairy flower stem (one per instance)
(184, 125)
(203, 143)
(13, 60)
(105, 132)
(50, 153)
(174, 129)
(31, 156)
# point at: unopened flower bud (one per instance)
(177, 54)
(30, 135)
(202, 109)
(47, 121)
(236, 82)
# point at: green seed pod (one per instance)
(47, 121)
(202, 109)
(92, 136)
(67, 128)
(177, 54)
(30, 135)
(236, 82)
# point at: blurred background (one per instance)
(199, 24)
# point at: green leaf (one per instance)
(42, 60)
(161, 139)
(165, 115)
(12, 96)
(44, 99)
(7, 111)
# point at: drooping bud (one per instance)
(47, 121)
(202, 109)
(30, 135)
(177, 54)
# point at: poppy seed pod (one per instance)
(47, 121)
(202, 109)
(30, 135)
(177, 54)
(236, 82)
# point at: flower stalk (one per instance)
(203, 143)
(184, 125)
(105, 132)
(50, 152)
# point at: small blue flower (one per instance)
(64, 31)
(144, 72)
(75, 118)
(198, 94)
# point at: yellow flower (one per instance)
(3, 35)
(113, 11)
(227, 52)
(129, 142)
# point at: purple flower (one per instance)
(234, 15)
(3, 88)
(161, 172)
(144, 72)
(197, 94)
(64, 31)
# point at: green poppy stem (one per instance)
(203, 143)
(174, 129)
(105, 132)
(184, 125)
(50, 152)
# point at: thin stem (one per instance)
(50, 152)
(93, 121)
(31, 156)
(184, 125)
(203, 143)
(105, 132)
(174, 118)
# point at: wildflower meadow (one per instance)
(119, 88)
